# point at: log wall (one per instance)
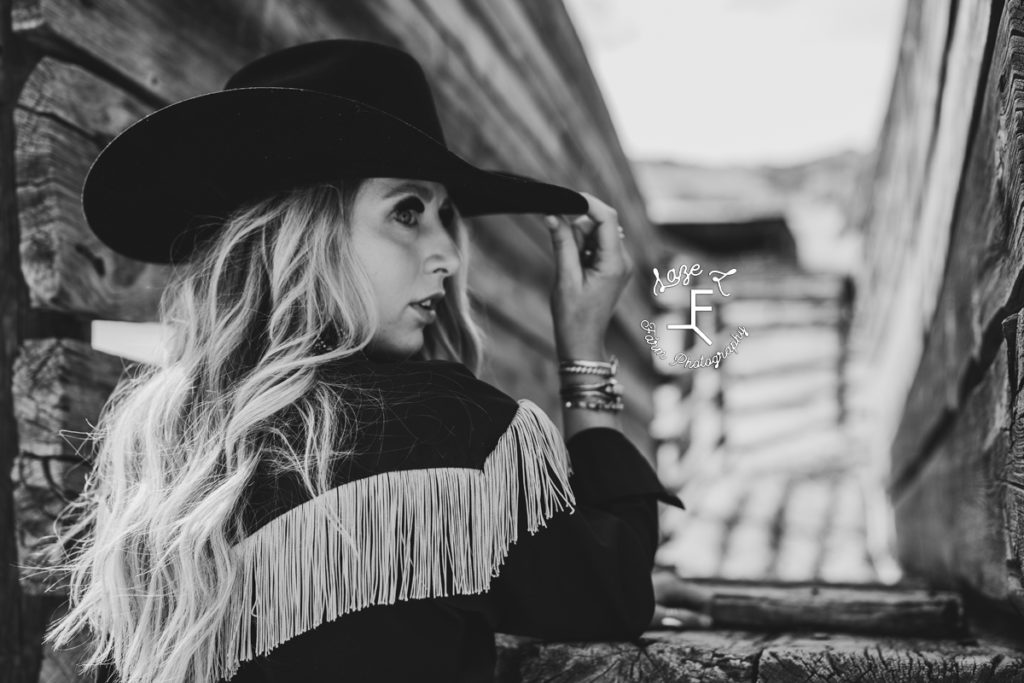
(938, 313)
(514, 90)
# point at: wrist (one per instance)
(583, 352)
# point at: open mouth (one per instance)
(430, 303)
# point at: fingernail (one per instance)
(551, 221)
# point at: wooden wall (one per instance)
(939, 305)
(514, 91)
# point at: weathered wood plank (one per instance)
(949, 517)
(133, 39)
(985, 252)
(879, 609)
(725, 655)
(19, 650)
(60, 386)
(964, 82)
(43, 487)
(899, 177)
(64, 115)
(1013, 529)
(826, 657)
(660, 657)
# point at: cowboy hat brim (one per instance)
(158, 189)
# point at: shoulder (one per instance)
(422, 413)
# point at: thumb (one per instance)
(567, 258)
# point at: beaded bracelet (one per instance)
(596, 405)
(598, 396)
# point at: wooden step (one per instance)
(875, 609)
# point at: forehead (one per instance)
(427, 190)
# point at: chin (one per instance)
(394, 352)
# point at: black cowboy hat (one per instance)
(313, 112)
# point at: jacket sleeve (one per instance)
(586, 575)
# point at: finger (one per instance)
(599, 211)
(579, 234)
(586, 244)
(566, 251)
(606, 232)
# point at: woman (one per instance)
(315, 485)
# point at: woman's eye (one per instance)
(408, 210)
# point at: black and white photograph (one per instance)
(511, 341)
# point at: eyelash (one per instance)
(414, 205)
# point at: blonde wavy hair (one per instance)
(147, 547)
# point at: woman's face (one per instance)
(402, 232)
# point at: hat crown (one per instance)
(380, 76)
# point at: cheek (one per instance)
(393, 271)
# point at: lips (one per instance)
(428, 315)
(432, 299)
(427, 306)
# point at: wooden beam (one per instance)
(950, 515)
(65, 114)
(985, 256)
(60, 386)
(820, 657)
(19, 614)
(711, 656)
(876, 609)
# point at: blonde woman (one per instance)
(315, 486)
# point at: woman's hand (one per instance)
(592, 269)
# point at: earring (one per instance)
(327, 341)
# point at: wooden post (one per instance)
(19, 646)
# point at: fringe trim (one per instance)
(411, 533)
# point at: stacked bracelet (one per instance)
(606, 395)
(590, 367)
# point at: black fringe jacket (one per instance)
(464, 513)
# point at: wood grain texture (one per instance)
(661, 656)
(1013, 526)
(918, 184)
(43, 487)
(898, 180)
(19, 646)
(985, 256)
(133, 39)
(60, 386)
(872, 610)
(64, 116)
(950, 517)
(867, 659)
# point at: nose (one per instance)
(444, 251)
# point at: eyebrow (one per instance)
(421, 191)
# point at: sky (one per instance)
(724, 82)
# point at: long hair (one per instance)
(148, 548)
